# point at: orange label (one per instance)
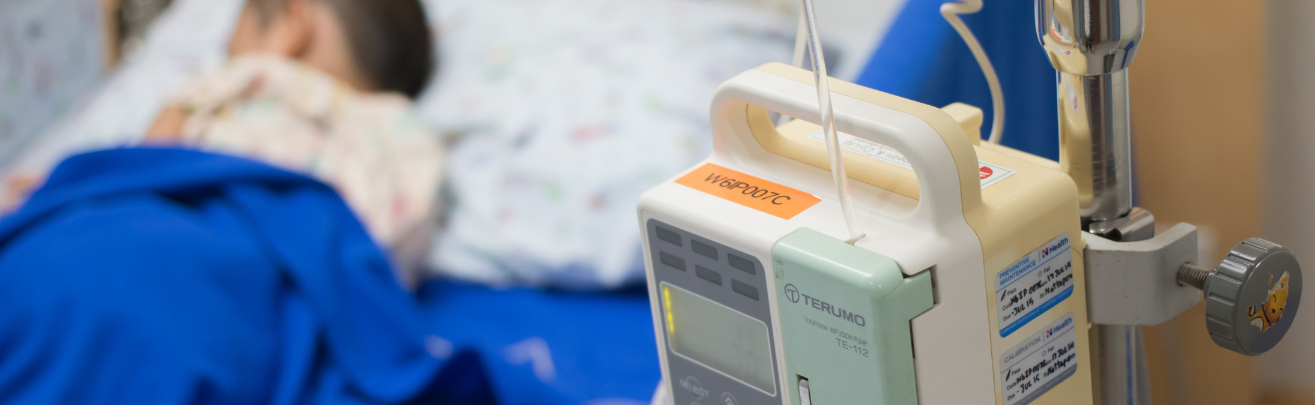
(749, 191)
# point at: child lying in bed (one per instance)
(323, 87)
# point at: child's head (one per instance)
(375, 45)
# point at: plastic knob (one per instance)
(1251, 297)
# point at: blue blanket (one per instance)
(594, 348)
(159, 276)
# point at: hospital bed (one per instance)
(592, 347)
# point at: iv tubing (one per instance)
(829, 124)
(800, 48)
(951, 12)
(800, 42)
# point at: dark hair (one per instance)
(389, 39)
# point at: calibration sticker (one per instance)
(762, 195)
(990, 173)
(1039, 363)
(1034, 284)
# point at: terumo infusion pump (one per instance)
(969, 287)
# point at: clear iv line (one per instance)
(951, 13)
(800, 42)
(829, 124)
(797, 60)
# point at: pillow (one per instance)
(51, 52)
(562, 112)
(190, 35)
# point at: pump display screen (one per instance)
(718, 337)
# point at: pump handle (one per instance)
(937, 149)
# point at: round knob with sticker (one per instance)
(1251, 297)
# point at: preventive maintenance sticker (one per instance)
(990, 173)
(1041, 362)
(1034, 284)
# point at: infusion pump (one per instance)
(969, 287)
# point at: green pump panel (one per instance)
(845, 315)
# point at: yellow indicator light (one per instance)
(671, 320)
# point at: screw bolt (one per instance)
(1193, 275)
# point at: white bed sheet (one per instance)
(190, 36)
(51, 53)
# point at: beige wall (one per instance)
(1198, 97)
(111, 35)
(1288, 373)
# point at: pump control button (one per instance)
(708, 274)
(692, 385)
(728, 399)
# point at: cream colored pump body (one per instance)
(997, 230)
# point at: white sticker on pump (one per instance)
(1034, 284)
(989, 172)
(1041, 362)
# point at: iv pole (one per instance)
(1091, 43)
